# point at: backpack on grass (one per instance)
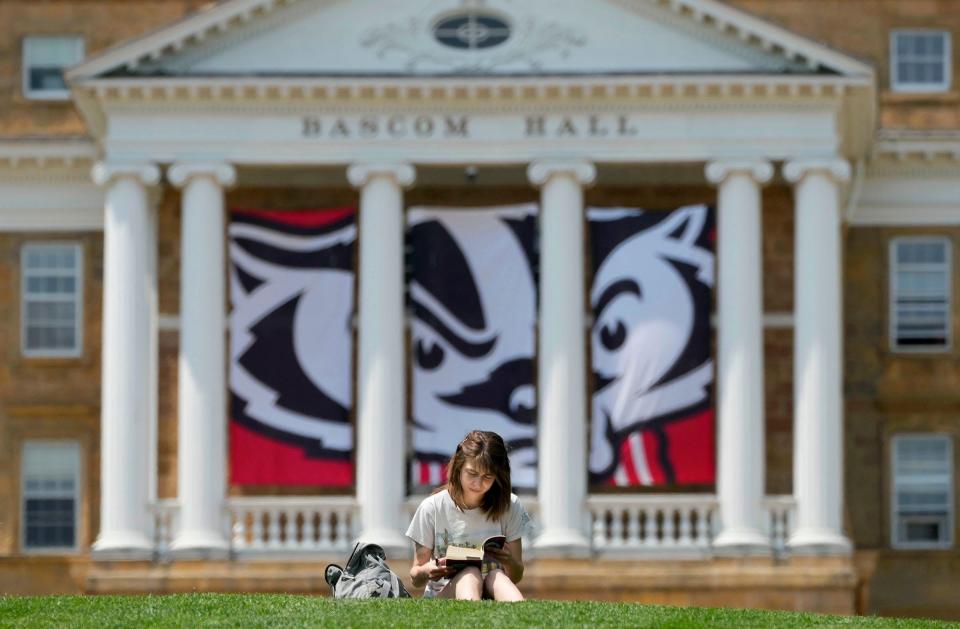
(366, 575)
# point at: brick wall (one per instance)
(48, 398)
(103, 23)
(867, 37)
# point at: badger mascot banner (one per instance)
(473, 297)
(292, 285)
(652, 418)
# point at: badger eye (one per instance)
(429, 355)
(613, 337)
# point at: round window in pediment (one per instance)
(471, 30)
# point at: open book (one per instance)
(460, 557)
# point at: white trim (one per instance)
(892, 270)
(944, 85)
(41, 95)
(77, 498)
(905, 216)
(895, 543)
(77, 350)
(77, 152)
(51, 219)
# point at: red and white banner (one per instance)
(652, 420)
(291, 346)
(473, 296)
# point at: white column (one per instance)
(202, 386)
(381, 364)
(125, 416)
(562, 368)
(818, 350)
(741, 446)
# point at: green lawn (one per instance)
(269, 610)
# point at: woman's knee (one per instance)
(492, 576)
(468, 584)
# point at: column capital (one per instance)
(401, 172)
(761, 171)
(147, 173)
(837, 169)
(540, 172)
(221, 172)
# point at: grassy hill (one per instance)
(272, 610)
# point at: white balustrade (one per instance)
(780, 514)
(652, 523)
(282, 524)
(669, 525)
(165, 515)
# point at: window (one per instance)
(52, 298)
(51, 480)
(922, 491)
(471, 30)
(44, 59)
(920, 61)
(920, 294)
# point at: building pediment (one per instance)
(468, 37)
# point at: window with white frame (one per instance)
(51, 495)
(920, 61)
(922, 491)
(52, 299)
(920, 299)
(44, 59)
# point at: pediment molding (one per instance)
(213, 27)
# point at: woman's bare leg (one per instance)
(501, 587)
(465, 585)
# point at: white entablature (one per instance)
(315, 82)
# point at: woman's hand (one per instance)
(502, 556)
(426, 567)
(510, 558)
(437, 569)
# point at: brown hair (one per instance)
(488, 451)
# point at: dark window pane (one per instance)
(49, 522)
(923, 531)
(43, 79)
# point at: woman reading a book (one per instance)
(467, 535)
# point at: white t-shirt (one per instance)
(439, 523)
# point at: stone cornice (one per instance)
(31, 154)
(472, 91)
(917, 146)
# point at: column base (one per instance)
(562, 543)
(739, 542)
(122, 545)
(814, 541)
(200, 545)
(394, 543)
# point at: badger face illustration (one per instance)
(473, 299)
(290, 327)
(650, 298)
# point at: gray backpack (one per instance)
(365, 576)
